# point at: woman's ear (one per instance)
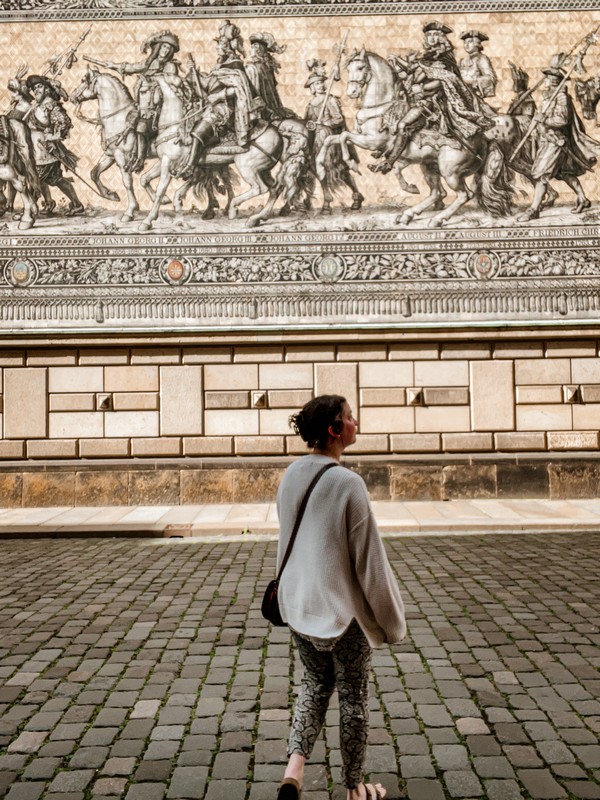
(335, 428)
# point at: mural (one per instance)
(270, 165)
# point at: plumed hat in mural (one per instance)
(268, 40)
(163, 37)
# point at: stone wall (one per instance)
(225, 399)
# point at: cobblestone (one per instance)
(144, 670)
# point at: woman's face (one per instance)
(350, 426)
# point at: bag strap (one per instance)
(301, 511)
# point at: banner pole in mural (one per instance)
(576, 64)
(67, 58)
(335, 75)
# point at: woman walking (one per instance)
(337, 593)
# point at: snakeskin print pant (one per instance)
(347, 668)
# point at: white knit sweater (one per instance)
(338, 569)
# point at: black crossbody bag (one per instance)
(270, 602)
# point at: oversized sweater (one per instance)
(338, 569)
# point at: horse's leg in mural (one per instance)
(163, 184)
(106, 161)
(19, 184)
(435, 196)
(455, 166)
(123, 160)
(251, 166)
(146, 182)
(181, 194)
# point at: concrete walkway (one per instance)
(260, 519)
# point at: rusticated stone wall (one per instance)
(410, 397)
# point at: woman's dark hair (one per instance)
(313, 421)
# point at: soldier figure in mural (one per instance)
(563, 151)
(439, 99)
(324, 118)
(261, 71)
(230, 103)
(476, 68)
(50, 124)
(161, 48)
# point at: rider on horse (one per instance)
(231, 104)
(438, 97)
(161, 48)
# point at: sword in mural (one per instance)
(575, 65)
(335, 75)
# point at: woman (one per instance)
(337, 593)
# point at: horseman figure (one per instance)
(261, 71)
(230, 103)
(161, 49)
(438, 98)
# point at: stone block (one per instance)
(10, 449)
(206, 486)
(382, 374)
(420, 351)
(25, 403)
(256, 485)
(76, 425)
(382, 397)
(11, 489)
(571, 348)
(285, 376)
(164, 447)
(467, 442)
(225, 377)
(339, 379)
(47, 358)
(52, 448)
(289, 398)
(103, 448)
(449, 396)
(387, 419)
(295, 446)
(207, 446)
(75, 379)
(12, 358)
(520, 441)
(590, 393)
(441, 373)
(181, 401)
(259, 445)
(376, 478)
(518, 350)
(442, 419)
(227, 400)
(573, 440)
(544, 418)
(207, 355)
(231, 423)
(257, 354)
(275, 422)
(542, 371)
(105, 487)
(370, 443)
(586, 417)
(523, 480)
(154, 487)
(466, 481)
(309, 353)
(492, 396)
(131, 423)
(135, 401)
(415, 443)
(131, 379)
(45, 489)
(585, 370)
(72, 402)
(539, 395)
(361, 352)
(416, 482)
(470, 350)
(573, 480)
(104, 356)
(155, 355)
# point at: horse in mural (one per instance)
(373, 82)
(17, 169)
(116, 107)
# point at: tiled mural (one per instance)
(274, 165)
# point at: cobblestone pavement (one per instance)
(143, 669)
